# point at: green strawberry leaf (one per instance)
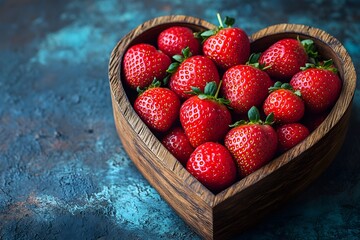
(286, 86)
(329, 65)
(254, 61)
(203, 35)
(297, 93)
(195, 91)
(166, 79)
(307, 66)
(326, 65)
(139, 90)
(186, 53)
(238, 123)
(202, 96)
(178, 58)
(155, 83)
(173, 67)
(270, 119)
(310, 49)
(277, 86)
(229, 22)
(254, 58)
(254, 115)
(225, 102)
(208, 33)
(211, 91)
(210, 88)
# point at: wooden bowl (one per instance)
(248, 200)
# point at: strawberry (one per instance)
(158, 107)
(226, 46)
(205, 117)
(320, 86)
(290, 135)
(285, 103)
(285, 57)
(252, 144)
(178, 144)
(191, 71)
(245, 86)
(142, 63)
(211, 163)
(172, 40)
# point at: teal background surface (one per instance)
(63, 171)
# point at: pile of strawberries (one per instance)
(221, 110)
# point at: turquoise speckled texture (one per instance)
(63, 171)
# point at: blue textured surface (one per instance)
(63, 171)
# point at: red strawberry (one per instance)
(252, 144)
(285, 57)
(142, 63)
(178, 144)
(245, 86)
(290, 135)
(285, 103)
(174, 39)
(226, 46)
(320, 86)
(191, 71)
(158, 107)
(211, 163)
(204, 117)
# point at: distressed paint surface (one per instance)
(63, 171)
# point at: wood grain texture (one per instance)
(247, 201)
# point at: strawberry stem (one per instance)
(218, 89)
(220, 21)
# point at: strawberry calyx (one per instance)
(254, 62)
(310, 49)
(155, 83)
(211, 91)
(228, 21)
(279, 85)
(179, 58)
(254, 118)
(326, 65)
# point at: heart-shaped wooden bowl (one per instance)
(248, 200)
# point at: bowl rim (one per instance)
(168, 160)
